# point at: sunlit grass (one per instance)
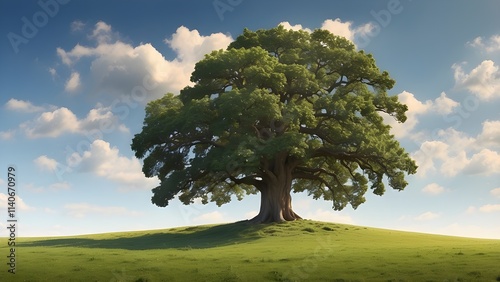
(294, 251)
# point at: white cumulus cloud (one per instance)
(24, 106)
(118, 68)
(426, 156)
(105, 161)
(490, 134)
(441, 105)
(455, 153)
(483, 81)
(295, 27)
(45, 163)
(337, 27)
(433, 189)
(102, 32)
(346, 29)
(98, 121)
(190, 46)
(51, 124)
(485, 162)
(444, 105)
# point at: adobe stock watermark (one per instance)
(191, 212)
(463, 111)
(119, 276)
(265, 134)
(12, 221)
(454, 119)
(310, 264)
(223, 6)
(31, 26)
(382, 19)
(121, 108)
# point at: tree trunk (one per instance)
(276, 203)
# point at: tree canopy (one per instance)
(277, 111)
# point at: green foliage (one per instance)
(310, 96)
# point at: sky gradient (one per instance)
(75, 77)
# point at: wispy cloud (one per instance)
(427, 216)
(490, 208)
(329, 216)
(80, 210)
(7, 135)
(211, 217)
(73, 82)
(433, 189)
(491, 44)
(77, 26)
(20, 204)
(496, 192)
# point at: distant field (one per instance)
(293, 251)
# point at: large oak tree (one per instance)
(278, 111)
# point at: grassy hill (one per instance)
(293, 251)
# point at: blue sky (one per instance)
(75, 77)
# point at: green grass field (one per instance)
(293, 251)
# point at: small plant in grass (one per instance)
(270, 231)
(498, 278)
(475, 274)
(187, 248)
(278, 276)
(309, 229)
(327, 228)
(228, 275)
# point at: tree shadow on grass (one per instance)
(195, 237)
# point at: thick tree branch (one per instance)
(248, 180)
